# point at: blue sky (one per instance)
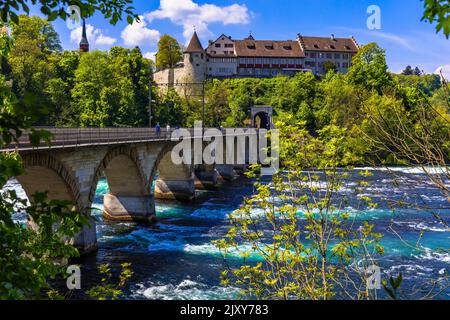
(406, 39)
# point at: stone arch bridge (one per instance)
(131, 159)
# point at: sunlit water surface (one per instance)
(174, 258)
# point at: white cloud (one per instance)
(137, 34)
(95, 36)
(150, 55)
(187, 13)
(393, 38)
(103, 40)
(444, 70)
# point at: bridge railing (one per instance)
(76, 137)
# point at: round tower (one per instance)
(195, 60)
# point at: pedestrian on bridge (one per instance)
(168, 131)
(158, 130)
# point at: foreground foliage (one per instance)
(34, 253)
(309, 245)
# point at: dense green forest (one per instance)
(69, 88)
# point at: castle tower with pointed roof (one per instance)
(84, 44)
(195, 61)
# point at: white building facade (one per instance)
(227, 58)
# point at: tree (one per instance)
(113, 10)
(314, 249)
(93, 97)
(329, 66)
(35, 41)
(58, 88)
(408, 71)
(141, 73)
(171, 110)
(438, 11)
(217, 107)
(30, 256)
(169, 52)
(369, 68)
(417, 71)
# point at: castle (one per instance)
(228, 58)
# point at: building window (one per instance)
(312, 55)
(345, 56)
(229, 45)
(329, 56)
(217, 45)
(337, 56)
(344, 65)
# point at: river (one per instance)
(174, 258)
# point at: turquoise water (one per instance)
(174, 258)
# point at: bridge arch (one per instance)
(44, 173)
(129, 196)
(174, 182)
(115, 163)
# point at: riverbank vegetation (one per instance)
(32, 255)
(368, 116)
(66, 88)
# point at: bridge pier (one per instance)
(240, 169)
(205, 177)
(226, 171)
(86, 240)
(182, 190)
(129, 208)
(175, 181)
(129, 159)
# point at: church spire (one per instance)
(84, 44)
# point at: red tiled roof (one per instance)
(194, 45)
(328, 44)
(268, 48)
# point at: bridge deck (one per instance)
(79, 137)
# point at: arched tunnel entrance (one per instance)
(261, 117)
(261, 120)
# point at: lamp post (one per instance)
(150, 103)
(203, 107)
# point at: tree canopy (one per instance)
(114, 10)
(169, 52)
